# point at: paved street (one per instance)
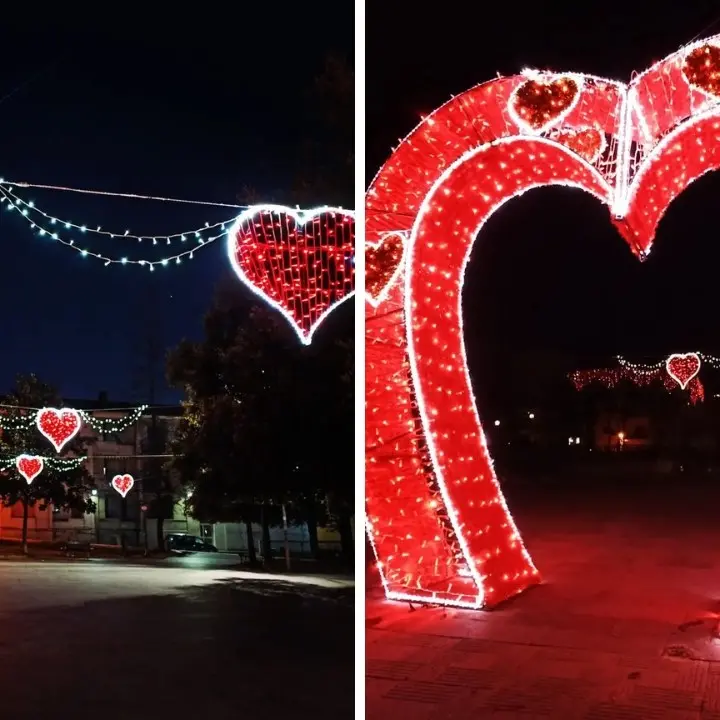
(92, 639)
(624, 627)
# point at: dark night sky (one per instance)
(192, 107)
(550, 275)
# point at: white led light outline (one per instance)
(379, 564)
(24, 456)
(120, 477)
(60, 412)
(622, 208)
(301, 217)
(683, 356)
(639, 113)
(544, 78)
(383, 294)
(427, 434)
(678, 55)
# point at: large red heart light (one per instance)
(682, 368)
(59, 426)
(123, 483)
(29, 466)
(302, 264)
(436, 516)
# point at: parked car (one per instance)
(181, 542)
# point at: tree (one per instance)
(267, 421)
(69, 489)
(326, 160)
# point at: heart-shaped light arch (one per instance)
(436, 516)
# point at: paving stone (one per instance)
(692, 677)
(670, 699)
(612, 711)
(621, 629)
(421, 691)
(391, 669)
(469, 678)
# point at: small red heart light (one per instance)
(383, 262)
(683, 367)
(540, 102)
(702, 69)
(302, 264)
(29, 466)
(588, 143)
(58, 425)
(123, 483)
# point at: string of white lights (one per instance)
(29, 205)
(47, 232)
(711, 360)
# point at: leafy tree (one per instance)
(267, 420)
(326, 159)
(68, 489)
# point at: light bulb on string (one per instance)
(106, 260)
(28, 206)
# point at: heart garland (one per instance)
(29, 466)
(383, 264)
(302, 264)
(123, 483)
(683, 367)
(59, 426)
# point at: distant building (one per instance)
(119, 520)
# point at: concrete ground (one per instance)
(625, 625)
(100, 639)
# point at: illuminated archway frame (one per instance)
(435, 514)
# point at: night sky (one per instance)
(196, 107)
(551, 284)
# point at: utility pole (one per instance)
(145, 383)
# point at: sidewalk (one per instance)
(623, 628)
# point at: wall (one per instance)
(232, 537)
(39, 523)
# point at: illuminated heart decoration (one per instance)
(29, 466)
(702, 69)
(59, 426)
(683, 368)
(588, 143)
(302, 264)
(123, 483)
(383, 263)
(542, 101)
(442, 184)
